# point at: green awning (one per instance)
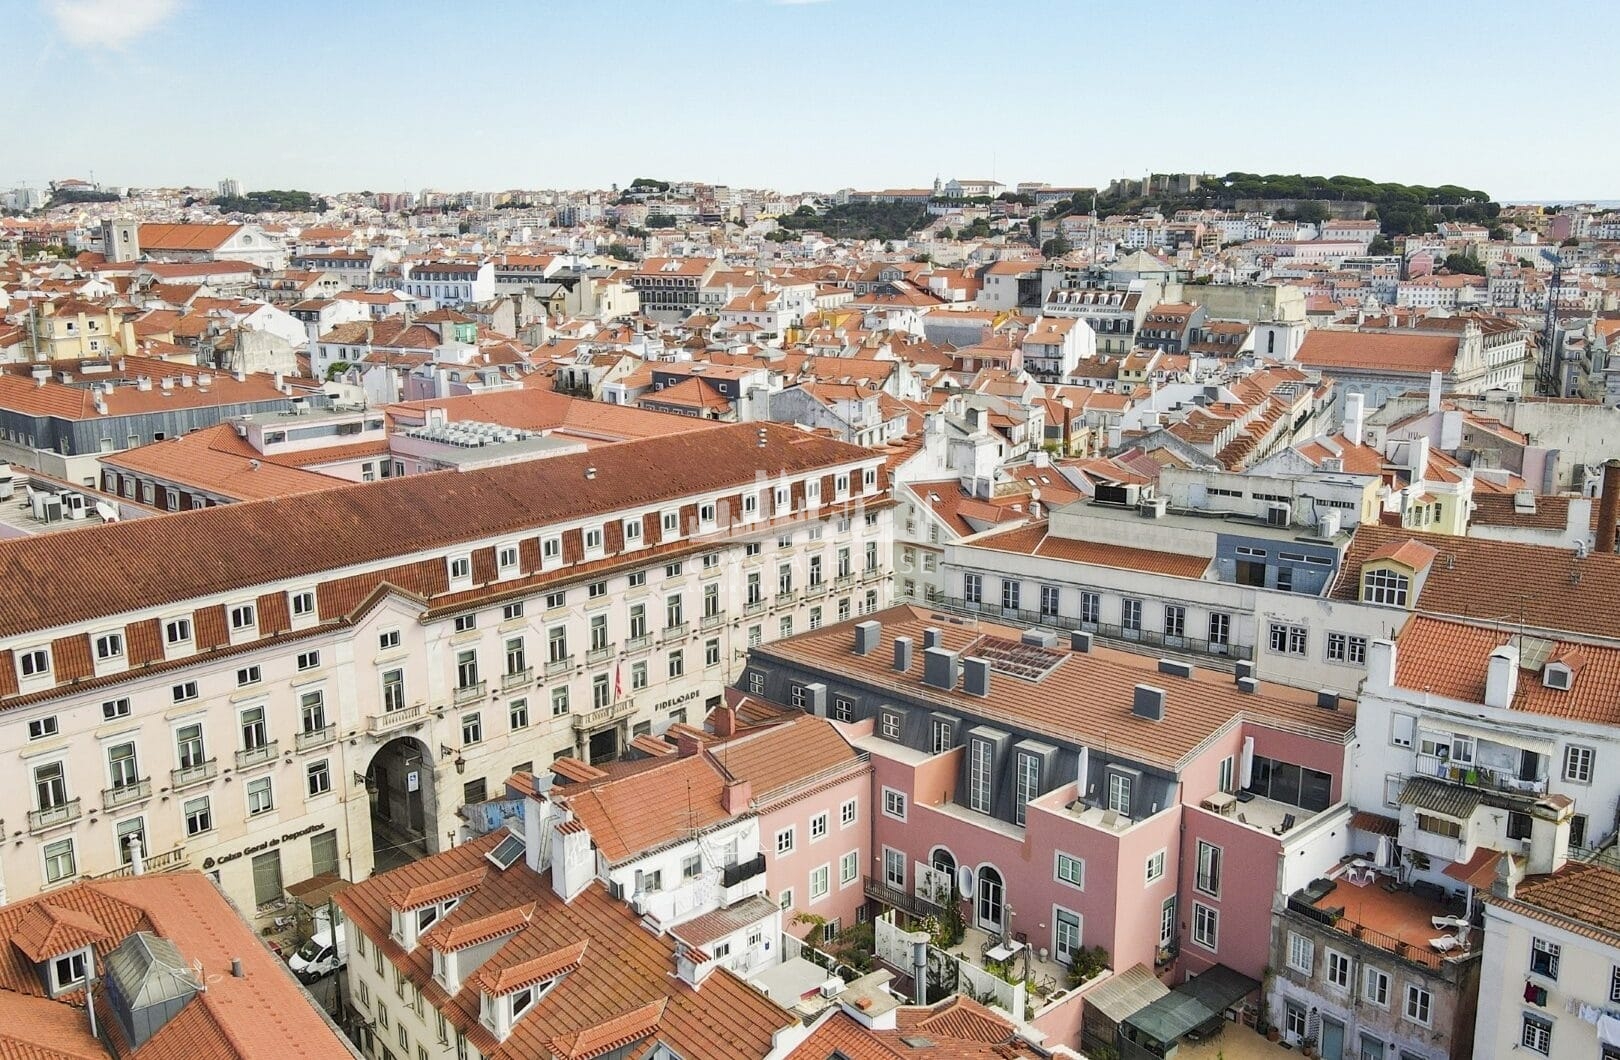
(1200, 1000)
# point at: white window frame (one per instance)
(1301, 953)
(1075, 876)
(894, 803)
(1206, 926)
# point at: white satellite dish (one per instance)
(965, 881)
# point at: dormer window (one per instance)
(303, 603)
(177, 631)
(34, 663)
(671, 523)
(1558, 675)
(1383, 586)
(109, 647)
(460, 569)
(506, 560)
(69, 971)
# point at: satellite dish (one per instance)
(965, 881)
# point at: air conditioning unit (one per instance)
(1279, 514)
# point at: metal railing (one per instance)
(51, 816)
(125, 794)
(1478, 776)
(186, 776)
(311, 738)
(1105, 630)
(879, 891)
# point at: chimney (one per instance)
(976, 676)
(1244, 668)
(931, 638)
(1435, 379)
(723, 722)
(867, 636)
(1608, 507)
(1148, 702)
(1248, 685)
(940, 668)
(1355, 415)
(687, 745)
(1502, 676)
(236, 969)
(902, 654)
(1417, 457)
(1381, 666)
(1327, 699)
(1080, 641)
(736, 797)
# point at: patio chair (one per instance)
(1287, 823)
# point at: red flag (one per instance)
(618, 681)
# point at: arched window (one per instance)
(943, 860)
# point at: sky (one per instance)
(394, 95)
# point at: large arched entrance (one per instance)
(404, 806)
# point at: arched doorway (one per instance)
(989, 894)
(404, 806)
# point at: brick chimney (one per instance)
(723, 722)
(687, 745)
(736, 797)
(1608, 507)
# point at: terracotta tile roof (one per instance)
(1542, 587)
(455, 936)
(1036, 540)
(439, 890)
(611, 1034)
(49, 931)
(533, 970)
(172, 237)
(60, 578)
(840, 1035)
(780, 756)
(1412, 554)
(642, 812)
(624, 969)
(217, 461)
(959, 1017)
(702, 930)
(1085, 696)
(1379, 351)
(1587, 894)
(1450, 659)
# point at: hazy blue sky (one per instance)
(352, 94)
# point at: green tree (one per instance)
(620, 252)
(1380, 246)
(1035, 230)
(1055, 247)
(1463, 263)
(660, 220)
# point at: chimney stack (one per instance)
(940, 668)
(931, 638)
(1148, 702)
(236, 968)
(1080, 641)
(867, 636)
(902, 654)
(1608, 507)
(976, 676)
(1502, 677)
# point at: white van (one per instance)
(322, 955)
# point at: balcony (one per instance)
(390, 720)
(52, 816)
(754, 607)
(714, 621)
(255, 756)
(641, 643)
(599, 655)
(873, 574)
(1398, 922)
(784, 599)
(732, 875)
(895, 898)
(471, 693)
(168, 861)
(559, 666)
(517, 679)
(815, 590)
(1104, 630)
(675, 632)
(186, 776)
(125, 794)
(843, 581)
(1479, 776)
(310, 739)
(604, 715)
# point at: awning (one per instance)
(1200, 1000)
(1436, 796)
(317, 890)
(1479, 871)
(1126, 993)
(1503, 736)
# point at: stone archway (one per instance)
(404, 806)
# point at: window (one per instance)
(242, 617)
(1071, 870)
(303, 603)
(1418, 1004)
(35, 663)
(1536, 1035)
(463, 623)
(1578, 764)
(1301, 953)
(1228, 774)
(559, 701)
(199, 815)
(185, 690)
(1209, 869)
(1384, 587)
(593, 540)
(1438, 826)
(388, 640)
(1344, 648)
(1544, 958)
(596, 590)
(1167, 921)
(818, 827)
(40, 728)
(109, 646)
(1119, 793)
(550, 550)
(894, 804)
(1010, 592)
(786, 900)
(115, 708)
(849, 867)
(1028, 784)
(677, 664)
(248, 675)
(68, 971)
(1206, 926)
(1049, 601)
(972, 587)
(1090, 608)
(711, 652)
(556, 600)
(511, 611)
(1220, 629)
(981, 759)
(59, 861)
(890, 725)
(1338, 969)
(516, 657)
(557, 644)
(1175, 621)
(1614, 984)
(1130, 615)
(1295, 1021)
(1155, 867)
(1375, 987)
(318, 777)
(674, 612)
(638, 676)
(309, 660)
(393, 690)
(472, 728)
(601, 692)
(122, 769)
(267, 878)
(894, 868)
(784, 841)
(1401, 730)
(260, 797)
(820, 882)
(847, 813)
(942, 734)
(1287, 640)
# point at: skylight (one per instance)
(507, 851)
